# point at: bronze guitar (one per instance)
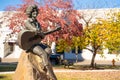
(27, 38)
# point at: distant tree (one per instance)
(114, 32)
(96, 35)
(103, 34)
(78, 43)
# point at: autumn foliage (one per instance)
(51, 12)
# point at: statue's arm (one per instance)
(29, 26)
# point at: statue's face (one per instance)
(34, 13)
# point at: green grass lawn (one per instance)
(6, 76)
(98, 67)
(87, 67)
(7, 67)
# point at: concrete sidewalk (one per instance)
(10, 60)
(9, 72)
(71, 70)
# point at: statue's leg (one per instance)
(40, 52)
(44, 54)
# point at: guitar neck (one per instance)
(49, 32)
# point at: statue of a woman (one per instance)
(40, 50)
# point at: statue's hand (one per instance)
(58, 28)
(41, 34)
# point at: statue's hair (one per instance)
(30, 9)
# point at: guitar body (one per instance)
(26, 39)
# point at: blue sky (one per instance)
(90, 4)
(79, 4)
(5, 3)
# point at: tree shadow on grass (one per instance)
(97, 67)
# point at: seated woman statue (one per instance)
(39, 49)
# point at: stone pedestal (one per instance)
(30, 67)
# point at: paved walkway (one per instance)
(10, 60)
(9, 72)
(70, 71)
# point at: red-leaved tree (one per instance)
(50, 13)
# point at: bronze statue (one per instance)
(40, 49)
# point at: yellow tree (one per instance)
(104, 34)
(113, 42)
(78, 44)
(95, 35)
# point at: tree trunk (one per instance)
(76, 51)
(93, 60)
(30, 67)
(76, 58)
